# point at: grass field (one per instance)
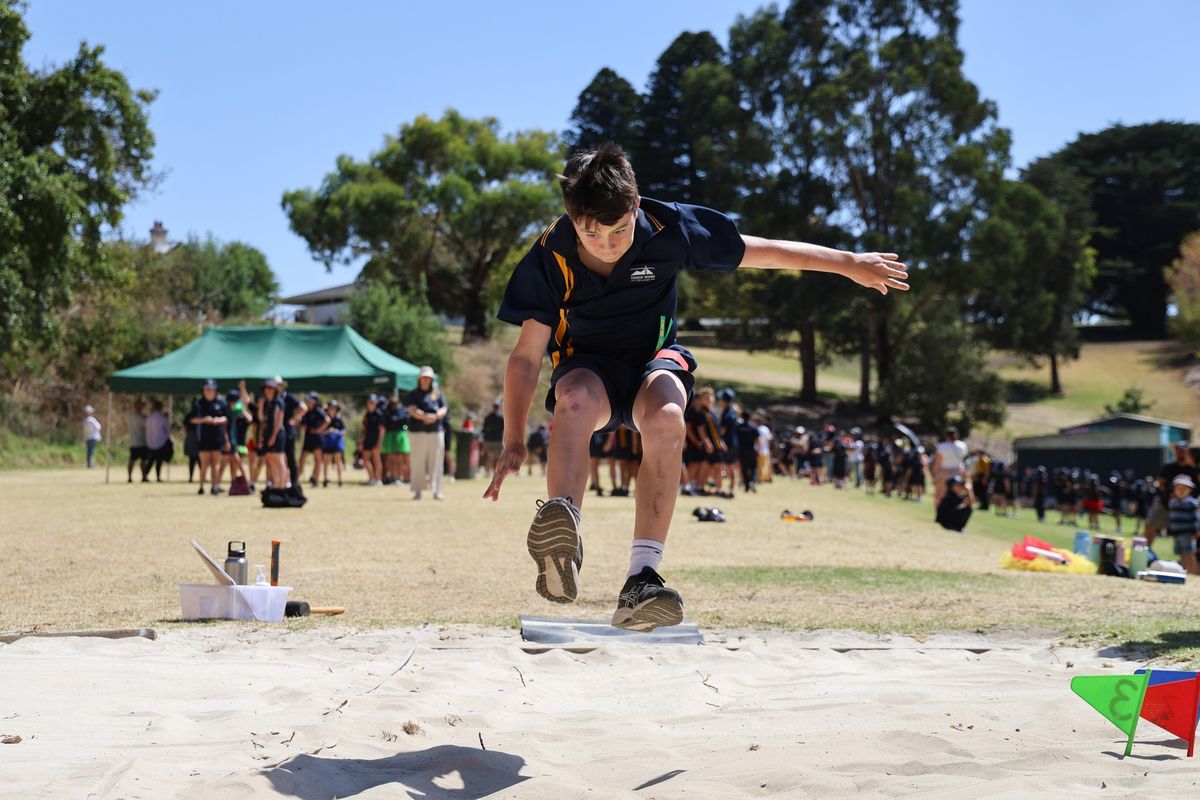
(82, 554)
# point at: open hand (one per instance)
(879, 271)
(511, 459)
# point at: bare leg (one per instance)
(658, 414)
(581, 406)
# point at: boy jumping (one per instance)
(597, 293)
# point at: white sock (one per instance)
(645, 553)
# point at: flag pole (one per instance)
(1195, 714)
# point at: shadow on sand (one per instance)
(462, 772)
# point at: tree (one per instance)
(665, 157)
(609, 110)
(401, 322)
(911, 149)
(446, 200)
(1132, 402)
(75, 147)
(775, 59)
(941, 376)
(1183, 278)
(1143, 182)
(215, 282)
(1030, 269)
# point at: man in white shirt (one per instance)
(949, 460)
(91, 434)
(763, 447)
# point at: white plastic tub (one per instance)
(210, 601)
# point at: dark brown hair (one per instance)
(599, 185)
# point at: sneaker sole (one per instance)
(658, 612)
(553, 542)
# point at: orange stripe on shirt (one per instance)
(658, 226)
(547, 232)
(568, 275)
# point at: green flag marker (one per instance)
(1118, 698)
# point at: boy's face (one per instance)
(1181, 491)
(607, 242)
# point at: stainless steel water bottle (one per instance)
(235, 563)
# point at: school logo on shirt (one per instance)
(642, 275)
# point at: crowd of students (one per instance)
(251, 436)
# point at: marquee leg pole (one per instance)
(170, 422)
(108, 439)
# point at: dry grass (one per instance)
(80, 554)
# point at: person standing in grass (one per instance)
(949, 460)
(158, 441)
(371, 440)
(210, 415)
(136, 423)
(272, 434)
(597, 294)
(427, 417)
(91, 434)
(333, 443)
(1182, 509)
(315, 421)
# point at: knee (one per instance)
(662, 424)
(577, 399)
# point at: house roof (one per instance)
(333, 294)
(1136, 418)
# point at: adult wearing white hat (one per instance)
(91, 434)
(427, 411)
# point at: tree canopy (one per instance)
(1143, 184)
(448, 201)
(75, 147)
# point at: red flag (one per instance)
(1172, 707)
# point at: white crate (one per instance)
(210, 601)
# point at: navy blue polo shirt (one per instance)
(630, 315)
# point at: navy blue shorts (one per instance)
(622, 380)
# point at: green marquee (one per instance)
(325, 359)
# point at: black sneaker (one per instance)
(645, 603)
(556, 547)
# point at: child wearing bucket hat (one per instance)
(1182, 522)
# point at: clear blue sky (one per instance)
(260, 97)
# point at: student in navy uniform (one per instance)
(333, 442)
(272, 434)
(598, 450)
(371, 439)
(314, 422)
(293, 411)
(210, 415)
(746, 453)
(728, 419)
(236, 430)
(597, 294)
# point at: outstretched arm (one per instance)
(878, 271)
(520, 382)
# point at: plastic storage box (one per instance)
(210, 601)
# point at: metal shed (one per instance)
(1117, 442)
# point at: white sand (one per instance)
(234, 711)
